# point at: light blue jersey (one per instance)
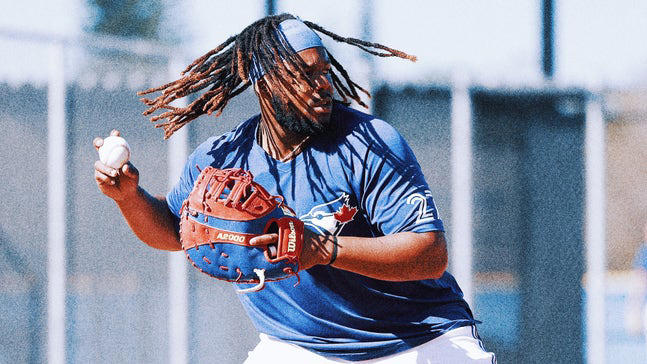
(360, 180)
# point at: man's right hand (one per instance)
(118, 184)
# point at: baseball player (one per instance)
(372, 282)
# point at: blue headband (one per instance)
(298, 36)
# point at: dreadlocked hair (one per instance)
(225, 69)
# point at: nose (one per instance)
(324, 83)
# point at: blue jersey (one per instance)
(361, 179)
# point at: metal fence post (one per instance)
(56, 187)
(595, 231)
(178, 280)
(462, 200)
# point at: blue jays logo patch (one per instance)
(330, 217)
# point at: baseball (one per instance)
(114, 152)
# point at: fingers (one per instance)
(129, 170)
(272, 250)
(265, 239)
(103, 179)
(98, 141)
(109, 171)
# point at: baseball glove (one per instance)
(225, 209)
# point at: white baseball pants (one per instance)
(457, 346)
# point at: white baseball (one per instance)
(114, 152)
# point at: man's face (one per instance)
(313, 104)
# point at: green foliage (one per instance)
(127, 18)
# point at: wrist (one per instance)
(127, 196)
(318, 249)
(334, 250)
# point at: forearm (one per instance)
(151, 220)
(398, 257)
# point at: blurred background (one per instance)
(529, 119)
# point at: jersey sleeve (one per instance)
(176, 196)
(199, 158)
(395, 195)
(215, 151)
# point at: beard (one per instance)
(294, 121)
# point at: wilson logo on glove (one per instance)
(292, 238)
(226, 209)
